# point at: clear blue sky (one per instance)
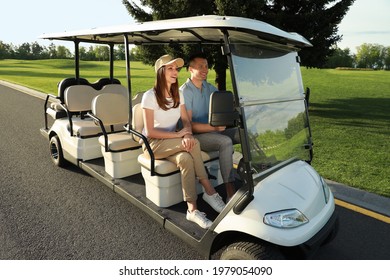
(367, 21)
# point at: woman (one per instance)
(162, 107)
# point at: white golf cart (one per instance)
(282, 208)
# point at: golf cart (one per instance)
(282, 208)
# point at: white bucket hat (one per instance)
(167, 59)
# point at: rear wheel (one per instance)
(247, 250)
(56, 153)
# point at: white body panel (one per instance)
(166, 191)
(77, 148)
(297, 186)
(121, 164)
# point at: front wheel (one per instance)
(251, 251)
(56, 153)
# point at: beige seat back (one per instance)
(114, 88)
(138, 120)
(78, 98)
(111, 109)
(137, 98)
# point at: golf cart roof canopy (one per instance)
(208, 29)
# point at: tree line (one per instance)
(372, 56)
(29, 51)
(368, 56)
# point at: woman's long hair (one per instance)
(159, 90)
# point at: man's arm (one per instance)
(203, 127)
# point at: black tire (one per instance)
(251, 251)
(56, 154)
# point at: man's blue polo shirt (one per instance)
(198, 101)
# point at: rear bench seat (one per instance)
(56, 109)
(78, 99)
(74, 102)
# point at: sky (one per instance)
(367, 21)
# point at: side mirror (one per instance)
(221, 111)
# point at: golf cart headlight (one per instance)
(290, 218)
(326, 189)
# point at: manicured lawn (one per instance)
(349, 113)
(350, 121)
(44, 75)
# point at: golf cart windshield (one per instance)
(271, 94)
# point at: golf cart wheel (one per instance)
(251, 251)
(56, 153)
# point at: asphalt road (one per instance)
(53, 213)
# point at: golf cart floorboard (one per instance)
(132, 188)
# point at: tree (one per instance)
(168, 10)
(371, 56)
(3, 51)
(23, 51)
(37, 51)
(119, 52)
(185, 8)
(6, 50)
(63, 52)
(102, 53)
(317, 20)
(386, 58)
(340, 58)
(52, 51)
(241, 8)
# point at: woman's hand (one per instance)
(188, 142)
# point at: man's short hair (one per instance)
(195, 56)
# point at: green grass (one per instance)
(349, 113)
(44, 75)
(350, 122)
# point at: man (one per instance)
(197, 92)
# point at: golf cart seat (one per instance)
(137, 98)
(119, 149)
(77, 101)
(114, 88)
(57, 110)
